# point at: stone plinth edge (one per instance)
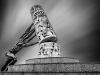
(52, 60)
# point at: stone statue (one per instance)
(45, 33)
(47, 38)
(51, 63)
(22, 42)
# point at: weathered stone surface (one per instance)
(30, 73)
(49, 49)
(51, 60)
(56, 67)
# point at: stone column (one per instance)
(45, 33)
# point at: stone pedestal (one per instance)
(54, 66)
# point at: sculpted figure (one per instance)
(42, 29)
(22, 42)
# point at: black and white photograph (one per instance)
(49, 37)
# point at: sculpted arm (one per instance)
(22, 42)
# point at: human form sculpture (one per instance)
(22, 42)
(42, 29)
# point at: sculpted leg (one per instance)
(22, 42)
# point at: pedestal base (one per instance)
(51, 60)
(31, 73)
(54, 66)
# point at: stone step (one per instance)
(56, 67)
(51, 60)
(31, 73)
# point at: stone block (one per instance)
(51, 60)
(56, 67)
(31, 73)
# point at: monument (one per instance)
(50, 61)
